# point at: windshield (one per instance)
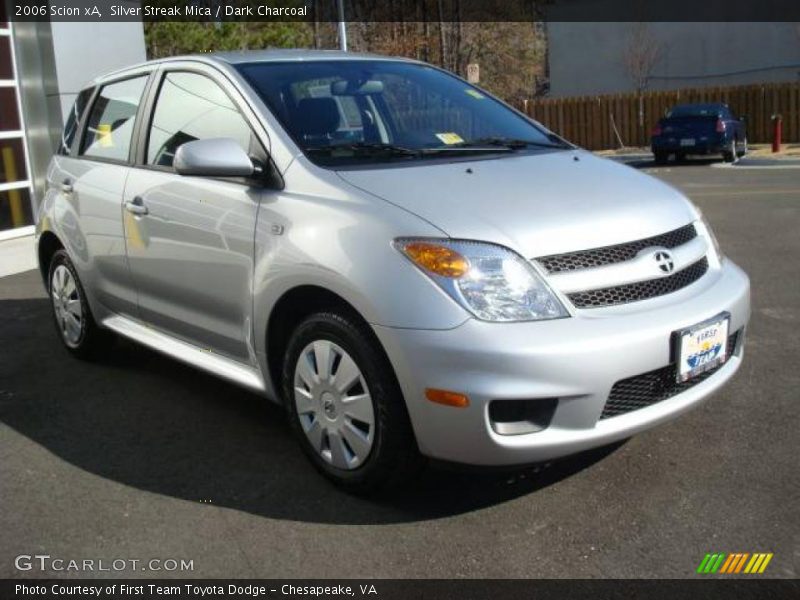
(695, 110)
(355, 111)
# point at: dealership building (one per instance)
(43, 66)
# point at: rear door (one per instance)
(88, 178)
(190, 240)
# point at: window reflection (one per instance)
(192, 107)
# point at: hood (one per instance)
(537, 204)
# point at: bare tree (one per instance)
(642, 53)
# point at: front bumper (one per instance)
(576, 360)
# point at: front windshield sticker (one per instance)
(475, 94)
(450, 138)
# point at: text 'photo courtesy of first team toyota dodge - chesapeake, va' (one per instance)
(410, 266)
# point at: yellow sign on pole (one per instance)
(14, 196)
(473, 73)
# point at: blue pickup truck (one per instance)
(692, 129)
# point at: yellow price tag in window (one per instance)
(104, 137)
(450, 138)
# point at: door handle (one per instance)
(66, 186)
(136, 206)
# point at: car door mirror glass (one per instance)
(213, 157)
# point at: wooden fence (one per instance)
(590, 121)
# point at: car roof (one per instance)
(255, 56)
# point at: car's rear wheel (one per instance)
(730, 154)
(346, 406)
(741, 149)
(73, 317)
(661, 157)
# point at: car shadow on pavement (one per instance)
(146, 421)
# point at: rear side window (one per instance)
(192, 107)
(110, 126)
(73, 121)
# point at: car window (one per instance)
(336, 109)
(73, 121)
(308, 94)
(110, 127)
(191, 107)
(696, 110)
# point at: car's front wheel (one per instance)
(346, 406)
(73, 318)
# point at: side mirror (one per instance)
(213, 157)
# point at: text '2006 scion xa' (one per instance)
(411, 267)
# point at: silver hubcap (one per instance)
(334, 405)
(67, 305)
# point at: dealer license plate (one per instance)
(702, 347)
(687, 142)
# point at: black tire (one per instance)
(680, 157)
(394, 457)
(91, 339)
(661, 158)
(742, 148)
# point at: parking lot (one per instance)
(139, 457)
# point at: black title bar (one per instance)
(749, 588)
(402, 10)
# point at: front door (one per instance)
(190, 240)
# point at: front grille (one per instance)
(647, 389)
(598, 257)
(641, 290)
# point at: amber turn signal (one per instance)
(437, 259)
(447, 398)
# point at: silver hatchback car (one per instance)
(410, 266)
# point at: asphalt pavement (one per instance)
(137, 457)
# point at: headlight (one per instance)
(490, 281)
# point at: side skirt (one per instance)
(215, 364)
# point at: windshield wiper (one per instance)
(512, 143)
(466, 147)
(363, 149)
(367, 149)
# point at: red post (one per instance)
(777, 123)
